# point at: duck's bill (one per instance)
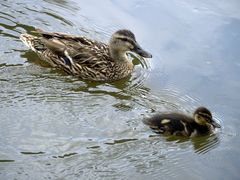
(137, 49)
(216, 125)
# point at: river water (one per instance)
(55, 126)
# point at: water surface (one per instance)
(55, 126)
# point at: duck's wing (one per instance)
(57, 41)
(74, 54)
(78, 56)
(61, 36)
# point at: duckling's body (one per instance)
(84, 57)
(179, 124)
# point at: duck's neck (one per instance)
(119, 56)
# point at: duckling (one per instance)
(178, 124)
(86, 58)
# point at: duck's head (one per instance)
(123, 41)
(203, 116)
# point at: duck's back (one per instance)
(76, 55)
(58, 43)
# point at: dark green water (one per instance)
(55, 126)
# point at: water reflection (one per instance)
(120, 141)
(65, 155)
(6, 160)
(64, 4)
(201, 145)
(32, 153)
(205, 144)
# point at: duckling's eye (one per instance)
(205, 116)
(208, 120)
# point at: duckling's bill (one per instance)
(215, 124)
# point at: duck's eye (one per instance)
(124, 39)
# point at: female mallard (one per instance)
(179, 124)
(86, 58)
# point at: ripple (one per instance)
(203, 145)
(65, 155)
(6, 160)
(120, 141)
(93, 147)
(64, 4)
(63, 20)
(32, 153)
(140, 74)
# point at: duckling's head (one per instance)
(123, 41)
(203, 116)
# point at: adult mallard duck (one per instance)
(201, 123)
(86, 58)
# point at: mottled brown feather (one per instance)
(77, 55)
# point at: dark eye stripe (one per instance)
(206, 116)
(126, 39)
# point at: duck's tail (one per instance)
(33, 42)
